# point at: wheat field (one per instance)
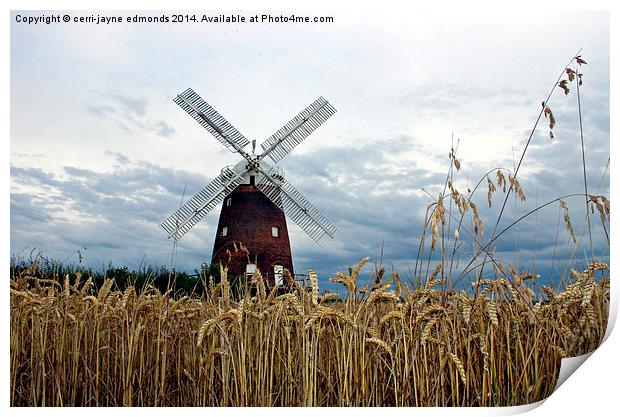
(390, 345)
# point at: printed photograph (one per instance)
(285, 208)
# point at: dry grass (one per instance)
(426, 346)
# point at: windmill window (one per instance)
(224, 231)
(275, 231)
(228, 201)
(250, 269)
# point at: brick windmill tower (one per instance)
(255, 194)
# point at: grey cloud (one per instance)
(100, 110)
(345, 193)
(371, 191)
(77, 172)
(119, 157)
(24, 206)
(129, 113)
(124, 127)
(115, 215)
(164, 129)
(33, 176)
(119, 213)
(133, 105)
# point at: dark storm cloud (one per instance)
(129, 113)
(24, 209)
(552, 168)
(362, 185)
(114, 215)
(371, 192)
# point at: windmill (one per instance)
(256, 195)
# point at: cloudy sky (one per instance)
(100, 154)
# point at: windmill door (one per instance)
(278, 273)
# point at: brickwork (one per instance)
(249, 218)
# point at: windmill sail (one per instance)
(199, 205)
(295, 206)
(273, 185)
(278, 145)
(211, 120)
